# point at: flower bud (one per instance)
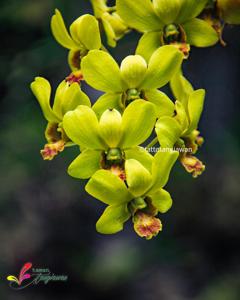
(146, 225)
(199, 140)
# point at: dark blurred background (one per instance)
(47, 218)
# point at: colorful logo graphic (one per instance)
(22, 275)
(37, 275)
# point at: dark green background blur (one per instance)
(47, 218)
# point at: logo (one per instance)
(32, 276)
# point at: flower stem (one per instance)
(104, 48)
(70, 145)
(152, 143)
(112, 9)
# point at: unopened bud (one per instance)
(199, 140)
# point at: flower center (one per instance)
(137, 204)
(113, 160)
(132, 94)
(172, 34)
(114, 156)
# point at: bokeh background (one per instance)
(47, 218)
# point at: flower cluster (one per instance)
(110, 133)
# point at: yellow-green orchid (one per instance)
(107, 142)
(167, 22)
(83, 35)
(134, 79)
(68, 96)
(181, 130)
(112, 134)
(141, 195)
(113, 25)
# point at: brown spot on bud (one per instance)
(51, 150)
(146, 226)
